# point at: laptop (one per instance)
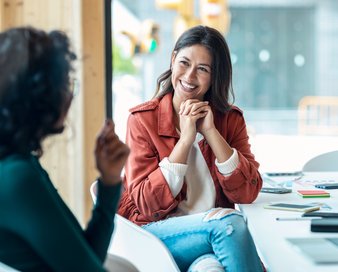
(319, 250)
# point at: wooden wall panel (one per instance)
(1, 14)
(93, 74)
(12, 13)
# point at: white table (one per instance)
(289, 152)
(270, 235)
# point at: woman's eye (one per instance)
(185, 63)
(204, 69)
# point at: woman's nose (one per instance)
(190, 73)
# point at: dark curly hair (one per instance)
(35, 78)
(220, 95)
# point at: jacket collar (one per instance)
(166, 124)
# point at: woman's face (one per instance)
(59, 125)
(191, 73)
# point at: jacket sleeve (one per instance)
(245, 182)
(146, 184)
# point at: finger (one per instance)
(192, 119)
(201, 109)
(106, 128)
(200, 115)
(110, 123)
(111, 142)
(109, 127)
(181, 107)
(193, 100)
(117, 153)
(185, 111)
(111, 135)
(188, 106)
(194, 103)
(108, 131)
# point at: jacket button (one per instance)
(254, 181)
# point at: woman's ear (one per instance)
(173, 56)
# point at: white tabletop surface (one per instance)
(270, 235)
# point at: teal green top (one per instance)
(38, 232)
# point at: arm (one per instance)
(37, 214)
(237, 172)
(110, 156)
(206, 126)
(190, 112)
(244, 183)
(145, 182)
(46, 224)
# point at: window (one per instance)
(281, 51)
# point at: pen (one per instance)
(295, 218)
(298, 178)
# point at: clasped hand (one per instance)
(110, 154)
(195, 116)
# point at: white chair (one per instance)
(326, 162)
(140, 247)
(6, 268)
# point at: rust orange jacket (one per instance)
(151, 136)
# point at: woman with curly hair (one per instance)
(38, 232)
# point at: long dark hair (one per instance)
(34, 80)
(221, 91)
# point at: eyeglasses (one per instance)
(74, 87)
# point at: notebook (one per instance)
(319, 250)
(313, 193)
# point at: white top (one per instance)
(201, 192)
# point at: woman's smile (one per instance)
(187, 86)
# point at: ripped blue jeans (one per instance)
(220, 231)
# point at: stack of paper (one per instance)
(313, 193)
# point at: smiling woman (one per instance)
(190, 160)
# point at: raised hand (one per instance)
(110, 154)
(190, 112)
(206, 124)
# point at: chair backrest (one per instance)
(326, 162)
(143, 249)
(318, 115)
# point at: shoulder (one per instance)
(235, 110)
(231, 119)
(232, 113)
(18, 169)
(16, 162)
(146, 106)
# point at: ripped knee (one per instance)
(226, 227)
(219, 213)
